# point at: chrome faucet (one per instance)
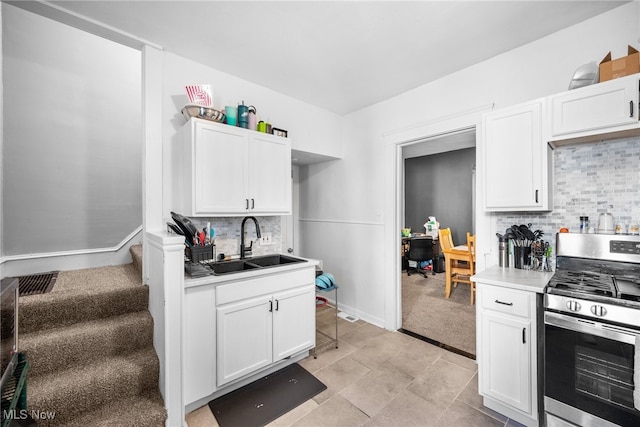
(243, 250)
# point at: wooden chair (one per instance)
(446, 244)
(459, 260)
(471, 244)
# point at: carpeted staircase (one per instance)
(90, 346)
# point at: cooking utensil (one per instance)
(175, 229)
(516, 231)
(185, 225)
(528, 234)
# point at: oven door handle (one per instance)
(636, 374)
(616, 333)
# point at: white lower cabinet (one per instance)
(240, 329)
(508, 351)
(199, 373)
(256, 332)
(244, 337)
(294, 326)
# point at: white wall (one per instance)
(301, 120)
(1, 147)
(71, 149)
(344, 200)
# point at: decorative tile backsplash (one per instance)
(227, 233)
(589, 179)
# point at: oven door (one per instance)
(591, 371)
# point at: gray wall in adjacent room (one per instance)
(72, 161)
(440, 185)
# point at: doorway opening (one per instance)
(438, 180)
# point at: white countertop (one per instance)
(525, 280)
(248, 274)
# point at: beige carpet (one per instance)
(426, 312)
(90, 346)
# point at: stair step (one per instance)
(140, 411)
(54, 310)
(78, 390)
(78, 345)
(136, 255)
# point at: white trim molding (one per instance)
(73, 19)
(341, 221)
(394, 141)
(17, 265)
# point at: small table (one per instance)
(332, 340)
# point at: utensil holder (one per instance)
(539, 258)
(521, 257)
(196, 254)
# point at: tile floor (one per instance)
(382, 378)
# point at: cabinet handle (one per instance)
(277, 305)
(631, 109)
(253, 204)
(503, 303)
(247, 202)
(270, 306)
(524, 335)
(537, 195)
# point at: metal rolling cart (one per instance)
(322, 306)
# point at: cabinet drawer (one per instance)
(506, 300)
(263, 285)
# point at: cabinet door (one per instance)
(515, 159)
(506, 360)
(199, 333)
(269, 174)
(219, 181)
(244, 338)
(293, 322)
(590, 110)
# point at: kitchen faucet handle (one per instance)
(248, 250)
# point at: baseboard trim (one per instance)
(438, 344)
(16, 265)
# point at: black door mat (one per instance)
(37, 283)
(266, 399)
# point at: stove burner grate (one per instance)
(584, 282)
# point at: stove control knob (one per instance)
(598, 310)
(573, 305)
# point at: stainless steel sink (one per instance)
(240, 265)
(273, 260)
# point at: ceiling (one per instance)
(339, 55)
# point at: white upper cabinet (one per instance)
(605, 108)
(225, 170)
(516, 159)
(269, 176)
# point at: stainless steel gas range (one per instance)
(592, 332)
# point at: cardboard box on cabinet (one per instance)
(625, 66)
